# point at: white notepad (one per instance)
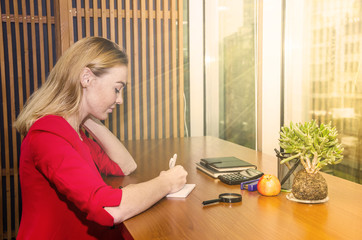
(184, 192)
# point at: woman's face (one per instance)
(101, 94)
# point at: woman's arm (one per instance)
(111, 145)
(136, 198)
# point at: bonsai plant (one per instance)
(316, 147)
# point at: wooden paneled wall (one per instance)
(33, 34)
(25, 37)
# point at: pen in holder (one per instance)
(288, 170)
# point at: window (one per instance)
(230, 49)
(323, 38)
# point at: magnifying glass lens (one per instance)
(230, 197)
(225, 197)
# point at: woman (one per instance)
(63, 194)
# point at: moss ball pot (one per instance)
(309, 186)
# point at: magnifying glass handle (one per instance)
(211, 201)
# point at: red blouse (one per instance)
(63, 193)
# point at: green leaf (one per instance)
(307, 139)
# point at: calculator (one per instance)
(239, 177)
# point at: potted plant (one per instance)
(316, 147)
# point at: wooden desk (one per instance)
(256, 217)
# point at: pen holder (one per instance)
(289, 168)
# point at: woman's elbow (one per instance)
(115, 213)
(130, 168)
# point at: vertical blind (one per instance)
(33, 34)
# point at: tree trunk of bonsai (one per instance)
(309, 186)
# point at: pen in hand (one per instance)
(172, 161)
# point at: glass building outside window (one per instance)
(233, 32)
(323, 72)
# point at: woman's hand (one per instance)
(136, 198)
(176, 176)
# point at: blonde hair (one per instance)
(61, 94)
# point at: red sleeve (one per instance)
(70, 169)
(105, 165)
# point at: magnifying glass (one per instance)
(225, 197)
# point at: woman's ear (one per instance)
(86, 77)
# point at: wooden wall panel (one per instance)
(151, 32)
(166, 72)
(5, 155)
(144, 67)
(180, 65)
(24, 34)
(160, 121)
(152, 66)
